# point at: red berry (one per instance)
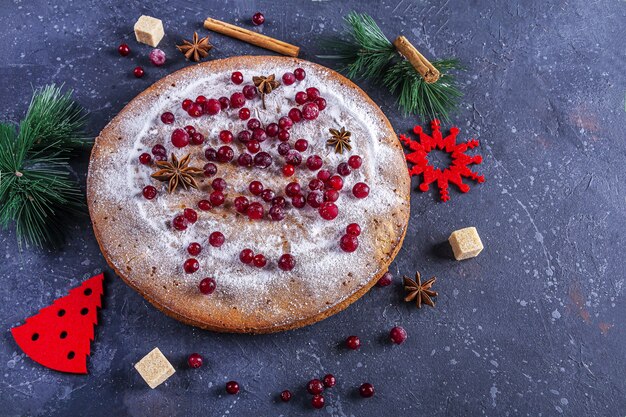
(259, 261)
(145, 158)
(360, 190)
(262, 160)
(314, 162)
(253, 124)
(149, 192)
(219, 184)
(197, 138)
(272, 130)
(366, 390)
(315, 199)
(249, 91)
(201, 99)
(204, 205)
(236, 77)
(312, 93)
(138, 72)
(355, 161)
(191, 265)
(224, 102)
(255, 211)
(258, 19)
(259, 135)
(288, 170)
(295, 115)
(191, 215)
(316, 184)
(194, 249)
(226, 136)
(207, 286)
(267, 195)
(216, 239)
(353, 229)
(217, 198)
(301, 145)
(335, 182)
(195, 110)
(353, 342)
(285, 395)
(168, 118)
(157, 57)
(292, 189)
(180, 222)
(244, 136)
(194, 360)
(285, 123)
(301, 97)
(310, 111)
(255, 187)
(237, 100)
(298, 201)
(123, 49)
(397, 335)
(283, 135)
(253, 146)
(241, 204)
(328, 210)
(244, 160)
(186, 104)
(279, 201)
(180, 138)
(300, 74)
(210, 169)
(210, 154)
(232, 387)
(315, 387)
(190, 129)
(225, 154)
(349, 243)
(246, 256)
(158, 149)
(317, 401)
(323, 174)
(343, 169)
(277, 213)
(321, 103)
(293, 157)
(385, 280)
(212, 107)
(289, 78)
(244, 113)
(286, 262)
(283, 148)
(331, 195)
(330, 381)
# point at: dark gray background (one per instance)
(533, 326)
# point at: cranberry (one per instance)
(212, 107)
(224, 102)
(353, 229)
(138, 72)
(197, 138)
(236, 77)
(145, 158)
(267, 195)
(315, 387)
(258, 19)
(244, 160)
(295, 115)
(314, 162)
(385, 280)
(293, 157)
(349, 243)
(259, 261)
(246, 256)
(157, 57)
(316, 184)
(253, 124)
(186, 104)
(180, 138)
(317, 401)
(321, 103)
(283, 135)
(289, 78)
(217, 198)
(329, 380)
(123, 49)
(204, 205)
(191, 215)
(191, 265)
(180, 222)
(323, 174)
(259, 135)
(312, 93)
(219, 184)
(210, 154)
(244, 113)
(167, 118)
(300, 74)
(293, 188)
(355, 161)
(216, 239)
(286, 262)
(360, 190)
(194, 360)
(315, 199)
(279, 201)
(353, 342)
(285, 396)
(285, 123)
(277, 213)
(194, 249)
(255, 187)
(226, 136)
(262, 160)
(149, 192)
(241, 204)
(237, 100)
(201, 99)
(310, 111)
(195, 110)
(301, 97)
(298, 201)
(272, 130)
(249, 91)
(301, 145)
(335, 182)
(225, 154)
(255, 211)
(331, 195)
(190, 130)
(158, 150)
(283, 148)
(232, 387)
(244, 136)
(207, 286)
(397, 335)
(288, 170)
(253, 146)
(343, 169)
(366, 390)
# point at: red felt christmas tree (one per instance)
(59, 336)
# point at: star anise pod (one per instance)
(197, 49)
(340, 139)
(419, 292)
(177, 172)
(265, 85)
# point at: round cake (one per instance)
(250, 194)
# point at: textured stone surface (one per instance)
(534, 326)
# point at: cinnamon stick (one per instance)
(419, 62)
(251, 37)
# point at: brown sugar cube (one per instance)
(465, 243)
(154, 368)
(149, 30)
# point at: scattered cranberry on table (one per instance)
(145, 158)
(289, 78)
(237, 100)
(328, 211)
(286, 262)
(244, 113)
(232, 387)
(288, 170)
(207, 286)
(216, 239)
(212, 107)
(300, 74)
(355, 161)
(209, 169)
(168, 118)
(349, 243)
(366, 390)
(236, 77)
(225, 154)
(197, 138)
(255, 211)
(259, 261)
(123, 49)
(353, 342)
(317, 401)
(226, 136)
(301, 145)
(191, 215)
(180, 222)
(157, 57)
(385, 280)
(249, 91)
(138, 72)
(219, 184)
(315, 387)
(180, 138)
(397, 335)
(191, 265)
(217, 198)
(246, 256)
(204, 205)
(194, 360)
(258, 19)
(149, 192)
(360, 190)
(285, 396)
(330, 381)
(353, 229)
(343, 169)
(194, 248)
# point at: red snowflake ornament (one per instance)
(454, 173)
(60, 335)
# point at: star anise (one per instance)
(265, 85)
(340, 139)
(419, 292)
(197, 49)
(177, 172)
